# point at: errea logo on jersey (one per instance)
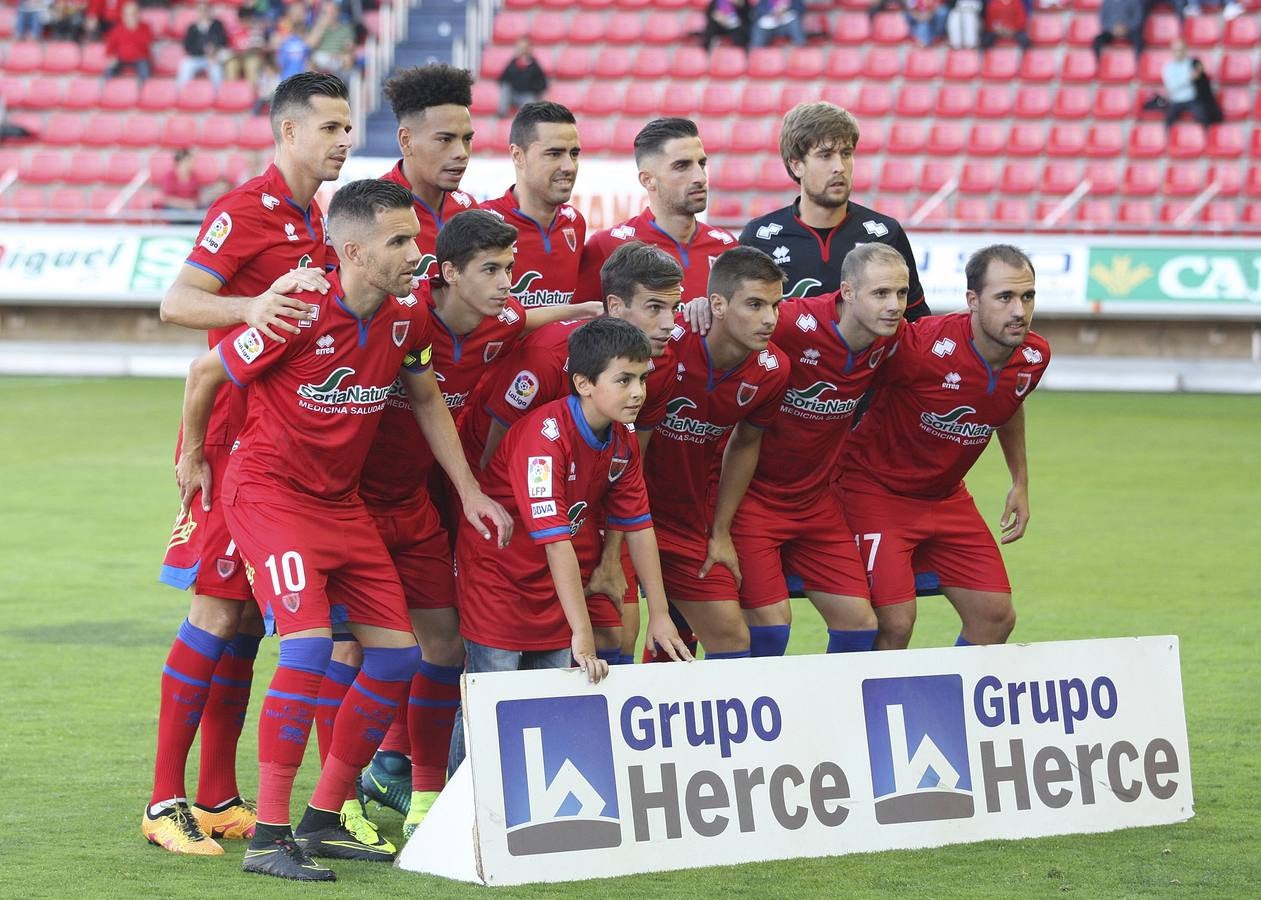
(290, 232)
(944, 347)
(951, 381)
(810, 356)
(875, 229)
(622, 232)
(768, 231)
(781, 255)
(324, 345)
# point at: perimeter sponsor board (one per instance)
(1190, 274)
(679, 766)
(1060, 264)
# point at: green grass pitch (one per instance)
(1144, 521)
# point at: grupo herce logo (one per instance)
(560, 790)
(918, 746)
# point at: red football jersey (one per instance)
(685, 455)
(400, 461)
(660, 388)
(537, 373)
(696, 256)
(559, 481)
(317, 398)
(251, 236)
(545, 271)
(936, 405)
(826, 380)
(431, 220)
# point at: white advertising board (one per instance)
(686, 765)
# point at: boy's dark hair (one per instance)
(636, 264)
(653, 136)
(358, 203)
(979, 262)
(470, 233)
(417, 88)
(296, 91)
(531, 115)
(596, 344)
(741, 264)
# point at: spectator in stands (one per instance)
(292, 42)
(1189, 89)
(880, 6)
(265, 82)
(927, 20)
(102, 15)
(248, 49)
(963, 25)
(522, 80)
(729, 19)
(181, 195)
(1005, 20)
(129, 44)
(67, 20)
(32, 15)
(334, 52)
(206, 46)
(1120, 20)
(774, 18)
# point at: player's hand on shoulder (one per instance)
(583, 649)
(698, 315)
(1015, 514)
(192, 475)
(478, 507)
(269, 310)
(663, 639)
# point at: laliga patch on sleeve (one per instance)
(520, 393)
(248, 345)
(539, 476)
(217, 233)
(543, 510)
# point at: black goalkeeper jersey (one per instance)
(812, 257)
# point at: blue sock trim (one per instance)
(180, 676)
(734, 654)
(391, 663)
(230, 682)
(961, 641)
(373, 695)
(851, 641)
(244, 646)
(180, 579)
(449, 675)
(341, 673)
(284, 695)
(609, 656)
(343, 637)
(308, 654)
(433, 704)
(208, 645)
(768, 640)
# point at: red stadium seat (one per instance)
(1114, 102)
(597, 136)
(23, 58)
(807, 62)
(896, 177)
(958, 100)
(1001, 64)
(238, 96)
(890, 28)
(882, 62)
(106, 129)
(1226, 141)
(650, 62)
(158, 20)
(1072, 102)
(1103, 178)
(68, 201)
(1136, 213)
(946, 139)
(12, 91)
(8, 21)
(44, 93)
(1038, 65)
(1079, 66)
(1033, 101)
(549, 28)
(844, 95)
(610, 62)
(1147, 140)
(667, 30)
(862, 181)
(1094, 214)
(643, 99)
(1228, 177)
(719, 98)
(60, 58)
(978, 178)
(873, 100)
(1236, 68)
(1013, 211)
(1142, 179)
(792, 94)
(256, 133)
(771, 175)
(1060, 177)
(769, 62)
(915, 100)
(207, 168)
(994, 101)
(726, 209)
(756, 135)
(1106, 139)
(1150, 66)
(486, 98)
(689, 62)
(934, 175)
(197, 95)
(1243, 33)
(1118, 67)
(987, 139)
(972, 211)
(1187, 141)
(924, 64)
(682, 100)
(491, 134)
(100, 198)
(962, 65)
(873, 137)
(28, 200)
(624, 134)
(566, 93)
(178, 24)
(628, 28)
(1204, 31)
(759, 100)
(167, 59)
(1019, 178)
(1235, 103)
(1252, 214)
(94, 60)
(907, 137)
(1046, 28)
(1027, 139)
(511, 27)
(727, 63)
(1082, 29)
(585, 28)
(1171, 211)
(843, 64)
(43, 167)
(1184, 179)
(1067, 140)
(601, 99)
(121, 94)
(850, 31)
(494, 59)
(123, 166)
(65, 129)
(218, 132)
(159, 94)
(1161, 29)
(1220, 214)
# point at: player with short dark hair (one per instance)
(290, 497)
(954, 381)
(729, 385)
(258, 244)
(435, 139)
(672, 169)
(544, 148)
(809, 238)
(564, 469)
(791, 519)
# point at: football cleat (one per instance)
(176, 830)
(388, 781)
(364, 831)
(234, 822)
(285, 859)
(336, 842)
(422, 801)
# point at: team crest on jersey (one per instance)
(1023, 380)
(622, 232)
(769, 230)
(217, 233)
(248, 345)
(522, 390)
(943, 348)
(538, 476)
(550, 429)
(766, 359)
(745, 393)
(876, 229)
(807, 322)
(571, 238)
(291, 602)
(399, 334)
(1032, 355)
(492, 350)
(509, 316)
(617, 467)
(876, 356)
(225, 566)
(270, 202)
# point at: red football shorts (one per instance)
(681, 558)
(631, 595)
(311, 569)
(811, 541)
(418, 545)
(899, 536)
(201, 554)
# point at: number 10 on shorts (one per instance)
(290, 569)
